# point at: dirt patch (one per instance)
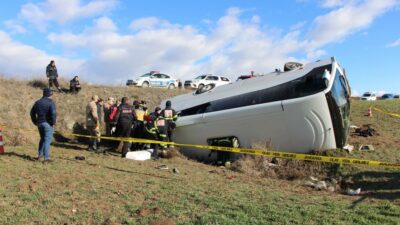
(163, 222)
(29, 186)
(110, 221)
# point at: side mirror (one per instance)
(326, 77)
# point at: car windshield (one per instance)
(200, 77)
(146, 75)
(367, 95)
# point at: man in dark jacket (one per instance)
(52, 75)
(43, 115)
(125, 118)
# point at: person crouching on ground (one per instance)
(43, 115)
(93, 123)
(74, 85)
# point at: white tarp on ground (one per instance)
(140, 155)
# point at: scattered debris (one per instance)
(353, 192)
(366, 148)
(322, 185)
(175, 171)
(162, 167)
(365, 131)
(80, 157)
(353, 127)
(348, 148)
(331, 188)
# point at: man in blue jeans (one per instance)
(43, 115)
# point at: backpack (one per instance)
(113, 113)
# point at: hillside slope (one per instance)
(106, 189)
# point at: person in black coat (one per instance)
(43, 115)
(52, 75)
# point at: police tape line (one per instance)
(249, 151)
(387, 113)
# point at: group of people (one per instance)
(121, 119)
(52, 77)
(126, 120)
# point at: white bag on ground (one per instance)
(140, 155)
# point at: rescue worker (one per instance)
(152, 131)
(125, 118)
(170, 117)
(52, 75)
(162, 128)
(107, 112)
(43, 115)
(93, 123)
(74, 85)
(139, 129)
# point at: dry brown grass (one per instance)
(17, 98)
(265, 167)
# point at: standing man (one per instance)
(93, 123)
(52, 75)
(152, 131)
(141, 114)
(125, 118)
(170, 117)
(107, 112)
(162, 127)
(43, 115)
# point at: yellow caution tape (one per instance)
(387, 113)
(250, 151)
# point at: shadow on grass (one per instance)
(139, 173)
(69, 146)
(118, 169)
(384, 185)
(22, 156)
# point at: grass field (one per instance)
(105, 189)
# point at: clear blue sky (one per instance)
(112, 40)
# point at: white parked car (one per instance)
(368, 96)
(203, 80)
(154, 79)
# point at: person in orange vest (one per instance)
(139, 129)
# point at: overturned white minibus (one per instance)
(301, 110)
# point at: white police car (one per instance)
(154, 79)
